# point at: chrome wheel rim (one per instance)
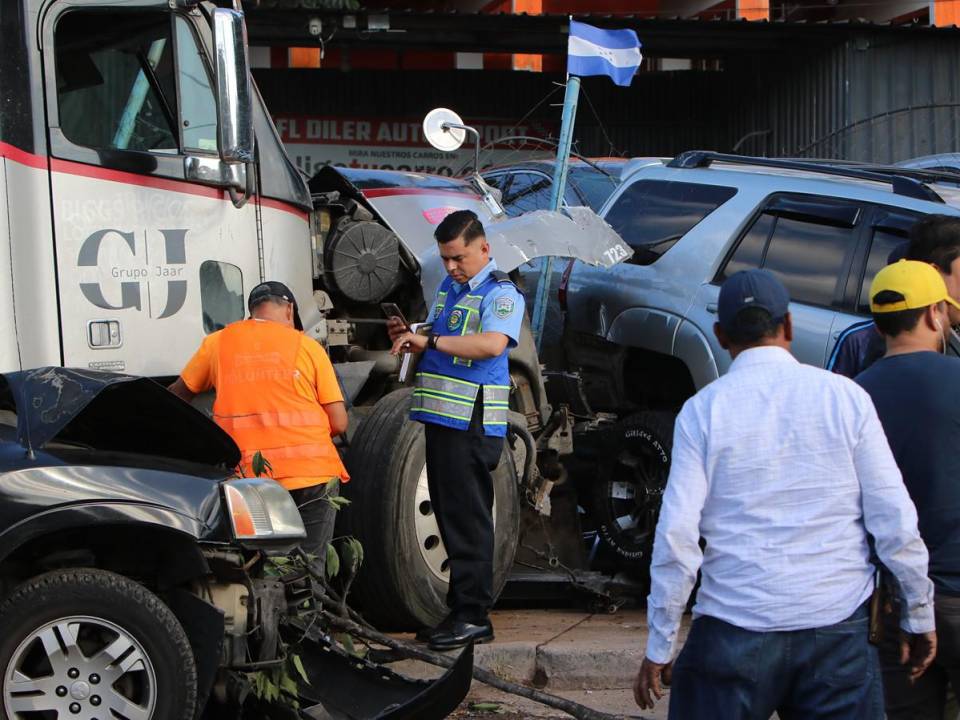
(80, 667)
(431, 546)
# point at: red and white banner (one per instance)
(395, 144)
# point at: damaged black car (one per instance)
(139, 576)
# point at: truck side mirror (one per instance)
(234, 97)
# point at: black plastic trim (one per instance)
(901, 183)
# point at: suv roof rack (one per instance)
(922, 174)
(906, 183)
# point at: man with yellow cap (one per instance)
(916, 391)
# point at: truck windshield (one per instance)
(115, 80)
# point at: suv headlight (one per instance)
(262, 510)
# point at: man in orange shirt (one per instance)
(277, 394)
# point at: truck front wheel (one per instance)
(403, 582)
(90, 643)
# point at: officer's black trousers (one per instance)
(459, 463)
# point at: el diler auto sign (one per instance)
(392, 144)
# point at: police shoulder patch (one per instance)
(503, 307)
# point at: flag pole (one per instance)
(570, 99)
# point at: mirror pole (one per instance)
(448, 126)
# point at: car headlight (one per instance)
(262, 510)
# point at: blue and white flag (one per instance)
(592, 51)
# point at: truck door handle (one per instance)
(712, 308)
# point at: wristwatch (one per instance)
(432, 341)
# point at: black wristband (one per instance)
(432, 341)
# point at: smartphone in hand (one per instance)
(391, 310)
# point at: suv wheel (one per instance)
(634, 466)
(92, 644)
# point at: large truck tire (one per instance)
(402, 584)
(633, 469)
(90, 643)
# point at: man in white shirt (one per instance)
(783, 469)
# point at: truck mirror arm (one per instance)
(240, 200)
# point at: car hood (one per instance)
(412, 205)
(105, 411)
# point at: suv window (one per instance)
(805, 241)
(652, 215)
(890, 230)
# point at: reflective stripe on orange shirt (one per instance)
(297, 418)
(295, 451)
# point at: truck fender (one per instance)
(87, 515)
(668, 334)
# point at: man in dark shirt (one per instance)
(861, 344)
(916, 391)
(936, 240)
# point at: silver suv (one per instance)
(641, 333)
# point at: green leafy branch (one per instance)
(260, 465)
(280, 684)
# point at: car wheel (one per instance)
(634, 465)
(404, 579)
(88, 643)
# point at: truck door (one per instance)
(148, 261)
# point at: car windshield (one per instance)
(594, 185)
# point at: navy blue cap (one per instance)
(751, 289)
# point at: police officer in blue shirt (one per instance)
(461, 396)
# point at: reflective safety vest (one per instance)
(259, 406)
(447, 387)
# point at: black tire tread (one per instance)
(372, 447)
(660, 424)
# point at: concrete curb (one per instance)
(554, 650)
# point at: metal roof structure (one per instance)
(523, 33)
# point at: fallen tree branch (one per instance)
(353, 623)
(581, 712)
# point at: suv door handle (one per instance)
(712, 308)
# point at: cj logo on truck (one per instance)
(107, 250)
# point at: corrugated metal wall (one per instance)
(874, 97)
(878, 98)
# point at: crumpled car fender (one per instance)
(93, 515)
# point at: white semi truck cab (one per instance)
(143, 187)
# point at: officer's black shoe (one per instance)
(425, 633)
(459, 634)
